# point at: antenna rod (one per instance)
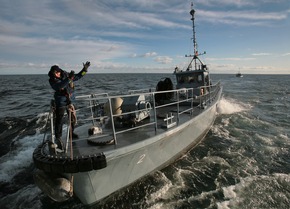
(195, 53)
(193, 30)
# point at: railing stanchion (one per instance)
(155, 113)
(91, 108)
(112, 119)
(191, 102)
(177, 92)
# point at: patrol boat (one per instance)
(123, 138)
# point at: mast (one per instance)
(192, 12)
(195, 51)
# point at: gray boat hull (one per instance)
(128, 164)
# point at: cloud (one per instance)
(238, 3)
(56, 50)
(147, 54)
(262, 67)
(242, 17)
(286, 54)
(231, 59)
(150, 54)
(261, 54)
(163, 59)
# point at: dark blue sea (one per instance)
(243, 162)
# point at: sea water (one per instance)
(243, 162)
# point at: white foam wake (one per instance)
(231, 106)
(20, 157)
(257, 192)
(17, 160)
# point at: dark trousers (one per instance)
(59, 114)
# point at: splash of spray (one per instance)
(231, 106)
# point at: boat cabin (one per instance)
(196, 79)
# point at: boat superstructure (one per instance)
(196, 73)
(123, 138)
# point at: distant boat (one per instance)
(123, 138)
(239, 74)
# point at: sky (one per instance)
(137, 36)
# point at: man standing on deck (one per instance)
(62, 82)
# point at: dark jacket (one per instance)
(64, 87)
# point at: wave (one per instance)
(168, 189)
(254, 191)
(231, 106)
(27, 197)
(21, 147)
(19, 159)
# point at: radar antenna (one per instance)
(195, 51)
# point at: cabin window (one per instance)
(182, 79)
(191, 79)
(186, 79)
(199, 78)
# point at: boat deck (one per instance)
(142, 131)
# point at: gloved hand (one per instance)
(86, 66)
(71, 75)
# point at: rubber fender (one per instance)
(71, 166)
(37, 160)
(40, 161)
(61, 164)
(99, 162)
(46, 164)
(37, 156)
(58, 165)
(85, 164)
